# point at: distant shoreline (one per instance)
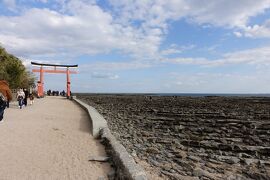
(183, 94)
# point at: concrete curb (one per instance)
(97, 120)
(126, 167)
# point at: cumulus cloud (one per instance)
(84, 29)
(133, 27)
(43, 31)
(225, 13)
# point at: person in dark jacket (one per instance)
(6, 92)
(26, 93)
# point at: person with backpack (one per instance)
(5, 97)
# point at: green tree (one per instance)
(12, 69)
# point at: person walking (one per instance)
(20, 97)
(26, 94)
(5, 96)
(31, 97)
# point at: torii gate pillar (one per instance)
(40, 85)
(68, 83)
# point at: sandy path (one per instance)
(49, 140)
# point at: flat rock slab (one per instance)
(49, 140)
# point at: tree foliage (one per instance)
(12, 70)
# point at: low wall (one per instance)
(125, 166)
(97, 120)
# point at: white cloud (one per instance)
(236, 82)
(115, 66)
(174, 49)
(134, 27)
(258, 31)
(43, 1)
(104, 75)
(225, 13)
(238, 34)
(256, 56)
(87, 29)
(219, 13)
(171, 51)
(27, 62)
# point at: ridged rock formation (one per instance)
(202, 137)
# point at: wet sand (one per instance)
(49, 140)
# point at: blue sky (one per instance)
(173, 46)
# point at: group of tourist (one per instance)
(22, 97)
(56, 93)
(52, 93)
(6, 96)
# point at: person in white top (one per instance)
(20, 97)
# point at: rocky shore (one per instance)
(192, 138)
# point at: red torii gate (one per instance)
(42, 71)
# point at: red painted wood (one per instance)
(40, 85)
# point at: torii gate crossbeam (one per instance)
(41, 70)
